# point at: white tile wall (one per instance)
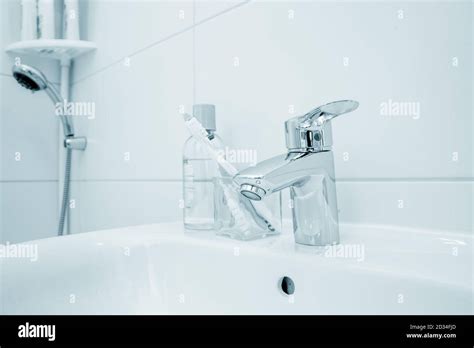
(28, 128)
(299, 62)
(255, 63)
(122, 28)
(108, 204)
(137, 115)
(29, 210)
(428, 204)
(29, 134)
(206, 9)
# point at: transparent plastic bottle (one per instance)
(199, 173)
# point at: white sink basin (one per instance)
(159, 269)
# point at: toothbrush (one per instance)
(200, 133)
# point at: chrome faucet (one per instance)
(308, 170)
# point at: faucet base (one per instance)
(315, 216)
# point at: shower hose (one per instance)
(65, 201)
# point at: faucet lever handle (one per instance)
(322, 114)
(312, 131)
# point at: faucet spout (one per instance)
(311, 179)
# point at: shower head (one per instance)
(34, 80)
(29, 77)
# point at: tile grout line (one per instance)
(166, 38)
(421, 179)
(344, 180)
(27, 181)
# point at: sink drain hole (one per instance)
(287, 285)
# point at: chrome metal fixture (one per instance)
(34, 80)
(308, 170)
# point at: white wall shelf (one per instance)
(54, 49)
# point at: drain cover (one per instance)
(287, 285)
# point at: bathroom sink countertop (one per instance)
(160, 268)
(402, 251)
